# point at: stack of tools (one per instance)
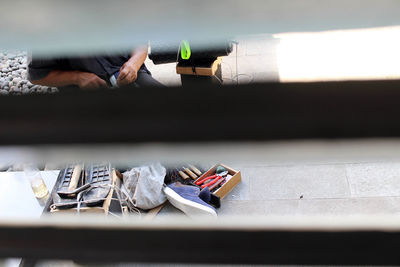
(191, 172)
(185, 174)
(188, 174)
(79, 187)
(214, 182)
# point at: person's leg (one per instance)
(144, 79)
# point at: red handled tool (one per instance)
(212, 182)
(220, 182)
(222, 174)
(199, 182)
(213, 178)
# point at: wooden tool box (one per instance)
(229, 185)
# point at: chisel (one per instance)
(190, 173)
(183, 175)
(195, 170)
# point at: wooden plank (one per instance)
(200, 71)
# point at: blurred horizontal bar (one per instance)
(65, 27)
(269, 122)
(322, 240)
(263, 112)
(231, 153)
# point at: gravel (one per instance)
(13, 75)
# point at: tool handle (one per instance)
(208, 180)
(183, 175)
(199, 182)
(212, 182)
(220, 181)
(195, 170)
(190, 173)
(76, 174)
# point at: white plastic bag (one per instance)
(145, 185)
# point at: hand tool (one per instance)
(76, 174)
(190, 173)
(220, 181)
(222, 174)
(212, 182)
(195, 170)
(183, 175)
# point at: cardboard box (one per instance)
(228, 186)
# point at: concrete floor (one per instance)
(334, 187)
(357, 54)
(314, 189)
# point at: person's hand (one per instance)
(87, 80)
(127, 74)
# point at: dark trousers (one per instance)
(144, 79)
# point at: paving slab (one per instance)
(250, 68)
(262, 44)
(295, 182)
(257, 207)
(325, 190)
(374, 179)
(350, 206)
(168, 210)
